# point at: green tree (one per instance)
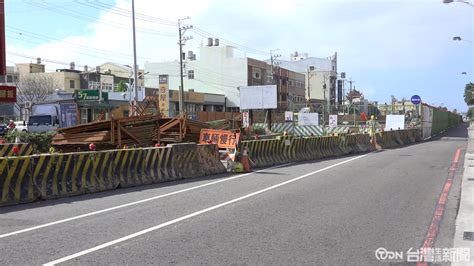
(121, 86)
(468, 90)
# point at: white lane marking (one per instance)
(131, 203)
(125, 238)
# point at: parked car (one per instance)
(3, 129)
(21, 126)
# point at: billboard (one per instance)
(258, 97)
(68, 114)
(7, 94)
(288, 116)
(308, 119)
(90, 95)
(164, 95)
(394, 122)
(332, 120)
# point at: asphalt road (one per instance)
(336, 211)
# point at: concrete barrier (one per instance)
(363, 142)
(158, 164)
(16, 181)
(69, 174)
(48, 176)
(185, 160)
(209, 159)
(129, 168)
(25, 149)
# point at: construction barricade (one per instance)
(24, 149)
(129, 168)
(185, 160)
(16, 180)
(62, 175)
(209, 161)
(158, 164)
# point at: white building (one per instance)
(322, 73)
(215, 72)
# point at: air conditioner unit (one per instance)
(28, 104)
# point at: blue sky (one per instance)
(388, 47)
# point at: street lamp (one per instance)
(458, 38)
(459, 1)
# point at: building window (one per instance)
(191, 108)
(93, 85)
(256, 74)
(232, 109)
(269, 78)
(292, 82)
(71, 84)
(190, 74)
(9, 78)
(107, 86)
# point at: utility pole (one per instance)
(273, 57)
(135, 67)
(273, 62)
(3, 59)
(308, 85)
(182, 41)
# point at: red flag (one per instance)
(363, 116)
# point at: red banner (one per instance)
(7, 94)
(223, 138)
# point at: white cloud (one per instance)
(368, 35)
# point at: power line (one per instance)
(44, 59)
(244, 48)
(126, 13)
(197, 30)
(220, 86)
(29, 41)
(92, 49)
(80, 16)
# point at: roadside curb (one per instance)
(465, 217)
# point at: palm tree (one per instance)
(468, 93)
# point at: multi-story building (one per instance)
(11, 78)
(122, 72)
(9, 110)
(397, 107)
(63, 79)
(217, 71)
(320, 74)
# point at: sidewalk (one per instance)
(464, 234)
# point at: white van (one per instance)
(21, 126)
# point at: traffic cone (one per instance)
(245, 160)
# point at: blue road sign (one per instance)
(415, 99)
